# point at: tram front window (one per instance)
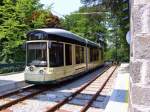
(37, 54)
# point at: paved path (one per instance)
(10, 82)
(119, 99)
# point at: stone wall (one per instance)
(140, 56)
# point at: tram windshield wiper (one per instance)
(38, 63)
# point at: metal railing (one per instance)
(12, 67)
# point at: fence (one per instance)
(12, 67)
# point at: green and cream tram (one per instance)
(54, 55)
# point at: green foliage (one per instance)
(84, 25)
(13, 27)
(16, 18)
(117, 47)
(44, 18)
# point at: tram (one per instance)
(54, 55)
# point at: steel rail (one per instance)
(58, 105)
(17, 91)
(6, 105)
(89, 103)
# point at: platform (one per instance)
(10, 82)
(118, 101)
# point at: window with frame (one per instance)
(37, 54)
(68, 54)
(102, 55)
(97, 54)
(94, 54)
(79, 54)
(91, 54)
(56, 54)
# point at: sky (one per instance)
(62, 7)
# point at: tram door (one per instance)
(68, 57)
(56, 59)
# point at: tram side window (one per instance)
(94, 53)
(68, 54)
(102, 55)
(79, 54)
(56, 54)
(97, 54)
(91, 54)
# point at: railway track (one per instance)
(102, 84)
(22, 94)
(19, 95)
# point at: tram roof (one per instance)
(66, 34)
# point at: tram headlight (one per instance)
(31, 68)
(41, 71)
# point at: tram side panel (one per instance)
(67, 71)
(76, 68)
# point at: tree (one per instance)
(85, 25)
(44, 18)
(116, 27)
(17, 19)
